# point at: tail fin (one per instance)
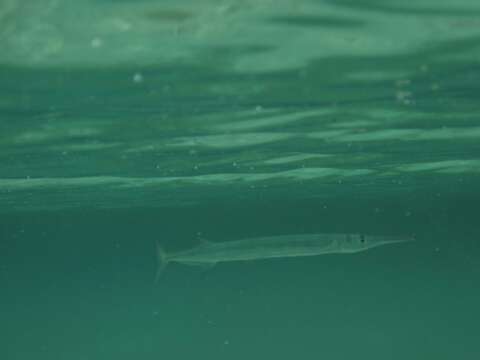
(162, 261)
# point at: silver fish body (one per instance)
(209, 253)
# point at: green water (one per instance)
(123, 123)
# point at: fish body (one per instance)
(209, 253)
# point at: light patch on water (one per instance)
(144, 148)
(318, 173)
(462, 167)
(132, 31)
(328, 134)
(354, 124)
(445, 133)
(207, 179)
(376, 75)
(91, 146)
(380, 135)
(449, 133)
(387, 117)
(380, 117)
(227, 141)
(256, 111)
(50, 133)
(295, 158)
(445, 166)
(73, 182)
(270, 121)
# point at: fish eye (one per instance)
(362, 238)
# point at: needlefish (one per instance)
(209, 253)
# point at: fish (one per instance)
(208, 253)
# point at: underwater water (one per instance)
(129, 123)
